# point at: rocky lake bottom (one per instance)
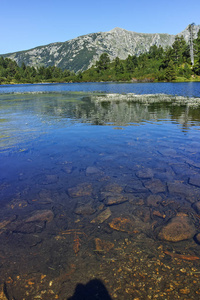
(100, 196)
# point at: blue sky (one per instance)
(25, 24)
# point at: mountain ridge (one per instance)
(82, 52)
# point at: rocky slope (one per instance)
(81, 53)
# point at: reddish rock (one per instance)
(178, 229)
(122, 224)
(102, 245)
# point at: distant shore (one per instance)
(145, 80)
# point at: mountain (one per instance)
(81, 53)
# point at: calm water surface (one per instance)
(191, 89)
(99, 196)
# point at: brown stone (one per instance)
(27, 227)
(81, 190)
(158, 214)
(190, 193)
(178, 229)
(113, 188)
(6, 222)
(122, 224)
(86, 209)
(154, 200)
(196, 206)
(135, 186)
(41, 215)
(104, 215)
(102, 245)
(116, 199)
(155, 186)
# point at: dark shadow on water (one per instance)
(93, 290)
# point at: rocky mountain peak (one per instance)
(82, 52)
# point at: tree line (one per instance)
(11, 72)
(158, 64)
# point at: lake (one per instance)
(100, 191)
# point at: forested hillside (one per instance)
(172, 64)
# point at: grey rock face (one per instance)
(82, 52)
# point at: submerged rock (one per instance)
(27, 227)
(48, 179)
(190, 193)
(92, 171)
(115, 199)
(104, 215)
(195, 180)
(81, 190)
(41, 215)
(196, 206)
(85, 209)
(45, 197)
(122, 224)
(155, 186)
(154, 200)
(67, 168)
(178, 229)
(135, 186)
(102, 245)
(113, 188)
(6, 222)
(145, 173)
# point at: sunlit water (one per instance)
(90, 187)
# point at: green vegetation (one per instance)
(10, 72)
(170, 64)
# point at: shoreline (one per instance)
(131, 81)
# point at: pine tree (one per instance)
(170, 73)
(196, 67)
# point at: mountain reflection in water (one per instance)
(80, 200)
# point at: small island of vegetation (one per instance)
(171, 64)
